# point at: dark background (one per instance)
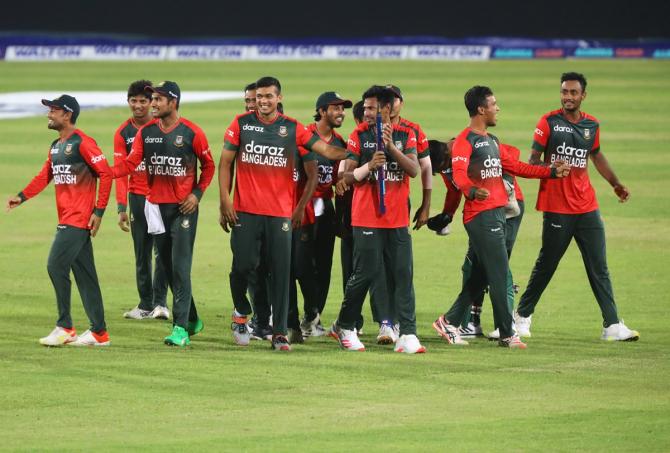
(344, 19)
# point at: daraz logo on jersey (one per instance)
(393, 172)
(492, 168)
(264, 155)
(62, 174)
(575, 157)
(166, 166)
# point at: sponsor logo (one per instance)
(130, 140)
(166, 166)
(179, 141)
(539, 132)
(368, 233)
(369, 145)
(54, 150)
(575, 157)
(95, 159)
(231, 133)
(284, 226)
(492, 168)
(283, 132)
(264, 149)
(68, 149)
(352, 143)
(165, 160)
(325, 174)
(481, 144)
(62, 174)
(495, 229)
(153, 140)
(459, 158)
(185, 223)
(555, 225)
(249, 127)
(558, 128)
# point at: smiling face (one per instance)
(139, 106)
(335, 115)
(58, 118)
(161, 106)
(572, 95)
(267, 99)
(490, 112)
(249, 100)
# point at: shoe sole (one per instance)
(95, 345)
(628, 340)
(421, 350)
(172, 343)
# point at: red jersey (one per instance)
(453, 197)
(266, 155)
(559, 139)
(136, 182)
(365, 205)
(514, 154)
(74, 164)
(170, 157)
(421, 139)
(479, 161)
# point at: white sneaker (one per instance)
(619, 332)
(348, 339)
(59, 337)
(409, 344)
(138, 313)
(88, 338)
(447, 331)
(513, 342)
(160, 312)
(241, 334)
(522, 324)
(386, 335)
(472, 330)
(311, 328)
(495, 335)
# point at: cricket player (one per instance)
(74, 162)
(264, 145)
(381, 240)
(478, 163)
(133, 190)
(170, 146)
(570, 207)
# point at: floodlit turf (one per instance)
(569, 391)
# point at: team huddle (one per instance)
(287, 191)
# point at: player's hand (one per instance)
(94, 224)
(124, 223)
(622, 192)
(228, 216)
(481, 194)
(341, 187)
(296, 218)
(13, 202)
(421, 217)
(189, 204)
(562, 169)
(439, 222)
(387, 136)
(378, 159)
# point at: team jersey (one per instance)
(365, 204)
(171, 158)
(479, 161)
(265, 160)
(421, 139)
(514, 154)
(453, 197)
(136, 182)
(74, 164)
(559, 139)
(327, 167)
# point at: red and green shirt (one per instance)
(265, 161)
(171, 157)
(74, 164)
(136, 182)
(421, 139)
(327, 167)
(365, 205)
(559, 139)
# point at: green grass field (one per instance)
(568, 391)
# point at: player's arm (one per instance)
(35, 186)
(513, 166)
(406, 159)
(540, 139)
(125, 167)
(312, 142)
(312, 172)
(422, 214)
(201, 149)
(228, 216)
(95, 159)
(121, 184)
(460, 160)
(605, 170)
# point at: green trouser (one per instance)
(511, 231)
(303, 269)
(557, 232)
(324, 244)
(152, 291)
(489, 266)
(257, 286)
(376, 249)
(175, 252)
(272, 235)
(72, 250)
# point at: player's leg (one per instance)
(306, 272)
(399, 264)
(183, 229)
(557, 232)
(245, 242)
(324, 244)
(277, 233)
(142, 245)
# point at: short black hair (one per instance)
(358, 111)
(475, 97)
(268, 81)
(574, 76)
(385, 96)
(280, 107)
(137, 88)
(438, 153)
(251, 86)
(317, 115)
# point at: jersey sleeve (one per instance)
(304, 137)
(39, 182)
(517, 168)
(452, 198)
(596, 142)
(410, 146)
(231, 140)
(125, 167)
(354, 147)
(95, 159)
(460, 160)
(202, 151)
(422, 144)
(121, 185)
(541, 135)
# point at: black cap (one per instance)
(396, 91)
(332, 98)
(64, 102)
(167, 89)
